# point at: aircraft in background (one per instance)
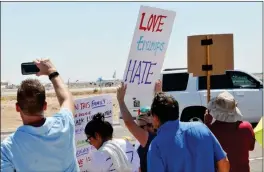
(108, 82)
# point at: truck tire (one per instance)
(192, 114)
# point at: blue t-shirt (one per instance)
(50, 147)
(184, 147)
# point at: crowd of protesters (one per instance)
(47, 144)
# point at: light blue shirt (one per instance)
(49, 148)
(184, 147)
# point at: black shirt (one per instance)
(143, 151)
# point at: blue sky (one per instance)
(86, 40)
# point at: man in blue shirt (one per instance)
(182, 146)
(41, 144)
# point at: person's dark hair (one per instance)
(165, 107)
(100, 126)
(31, 96)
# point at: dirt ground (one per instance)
(10, 119)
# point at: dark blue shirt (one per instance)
(142, 152)
(184, 147)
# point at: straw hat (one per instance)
(224, 108)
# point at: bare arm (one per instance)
(223, 165)
(63, 94)
(251, 136)
(140, 134)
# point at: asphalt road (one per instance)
(256, 156)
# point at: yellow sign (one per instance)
(258, 132)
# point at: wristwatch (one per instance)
(53, 75)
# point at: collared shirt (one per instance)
(184, 147)
(50, 147)
(237, 139)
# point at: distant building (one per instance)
(4, 84)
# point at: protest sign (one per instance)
(85, 109)
(210, 55)
(221, 54)
(147, 52)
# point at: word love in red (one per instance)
(154, 23)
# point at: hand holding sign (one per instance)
(158, 87)
(147, 53)
(121, 92)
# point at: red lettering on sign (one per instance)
(80, 162)
(85, 105)
(154, 23)
(160, 24)
(76, 106)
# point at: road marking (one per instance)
(257, 158)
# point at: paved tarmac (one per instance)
(256, 156)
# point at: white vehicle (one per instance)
(191, 93)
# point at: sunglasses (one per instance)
(88, 139)
(148, 125)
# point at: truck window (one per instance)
(242, 80)
(175, 82)
(217, 82)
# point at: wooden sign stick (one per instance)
(208, 73)
(208, 67)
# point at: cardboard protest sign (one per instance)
(221, 54)
(85, 109)
(147, 52)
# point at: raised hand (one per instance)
(45, 67)
(121, 92)
(158, 87)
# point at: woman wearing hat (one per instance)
(143, 130)
(235, 136)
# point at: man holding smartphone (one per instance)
(42, 143)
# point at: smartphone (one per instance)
(29, 68)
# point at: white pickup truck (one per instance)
(191, 92)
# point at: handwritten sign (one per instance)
(147, 53)
(85, 109)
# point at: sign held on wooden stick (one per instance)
(221, 54)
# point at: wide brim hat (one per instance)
(224, 108)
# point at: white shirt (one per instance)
(102, 162)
